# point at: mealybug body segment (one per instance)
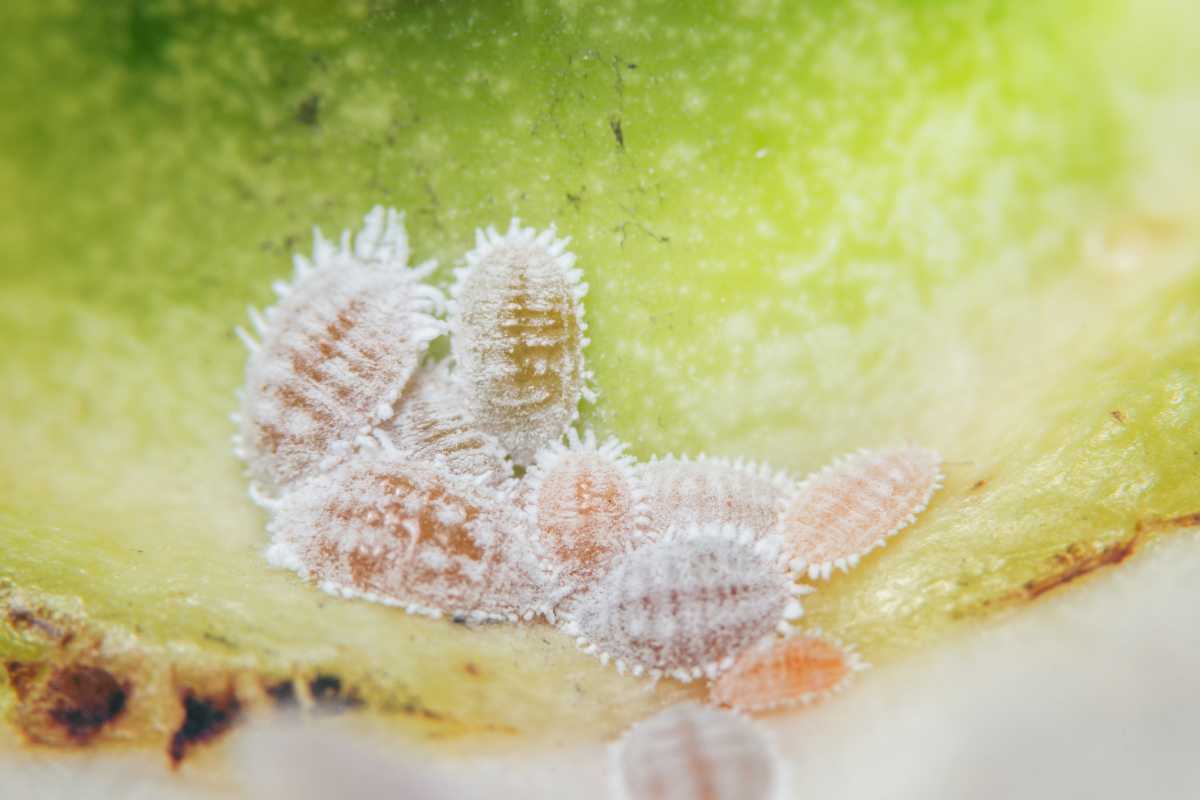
(687, 604)
(849, 508)
(586, 506)
(691, 752)
(780, 672)
(391, 529)
(432, 425)
(336, 351)
(710, 491)
(518, 337)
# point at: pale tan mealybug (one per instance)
(693, 752)
(335, 352)
(389, 529)
(851, 506)
(683, 491)
(796, 669)
(516, 319)
(586, 506)
(432, 425)
(687, 604)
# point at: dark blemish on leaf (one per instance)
(282, 693)
(205, 718)
(1159, 525)
(1118, 415)
(414, 709)
(614, 123)
(219, 639)
(1079, 560)
(328, 694)
(21, 675)
(1076, 561)
(979, 484)
(471, 669)
(575, 199)
(24, 619)
(309, 111)
(82, 700)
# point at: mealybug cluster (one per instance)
(463, 486)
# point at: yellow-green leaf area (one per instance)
(807, 228)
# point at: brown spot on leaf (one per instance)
(309, 110)
(23, 619)
(979, 484)
(282, 693)
(204, 719)
(82, 700)
(1076, 561)
(1118, 415)
(329, 694)
(471, 669)
(21, 675)
(1163, 524)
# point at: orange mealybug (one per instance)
(585, 504)
(849, 508)
(795, 669)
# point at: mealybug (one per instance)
(585, 505)
(711, 491)
(791, 670)
(849, 508)
(432, 425)
(335, 353)
(691, 752)
(686, 604)
(394, 530)
(518, 337)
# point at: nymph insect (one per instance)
(686, 604)
(850, 507)
(682, 491)
(586, 506)
(388, 528)
(335, 352)
(795, 669)
(692, 752)
(518, 337)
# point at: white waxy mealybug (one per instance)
(693, 752)
(384, 527)
(795, 669)
(518, 337)
(849, 508)
(687, 604)
(704, 491)
(585, 504)
(335, 352)
(432, 425)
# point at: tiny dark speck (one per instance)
(309, 110)
(618, 134)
